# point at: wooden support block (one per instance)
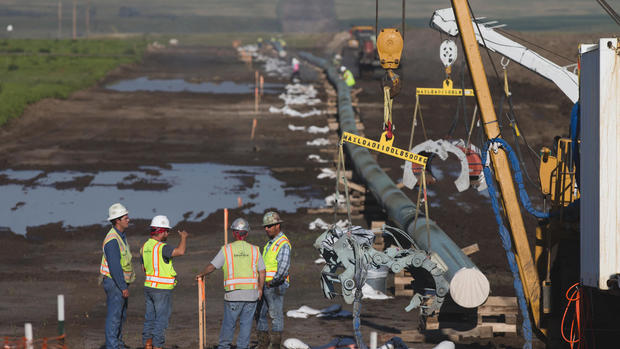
(399, 185)
(353, 186)
(376, 224)
(471, 249)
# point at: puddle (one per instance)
(184, 191)
(180, 85)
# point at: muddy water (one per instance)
(183, 192)
(181, 85)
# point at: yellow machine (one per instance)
(557, 174)
(390, 48)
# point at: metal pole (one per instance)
(61, 314)
(28, 335)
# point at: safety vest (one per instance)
(348, 78)
(270, 254)
(159, 274)
(128, 273)
(241, 267)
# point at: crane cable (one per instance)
(341, 168)
(514, 126)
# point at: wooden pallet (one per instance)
(402, 284)
(497, 316)
(379, 244)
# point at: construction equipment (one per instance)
(444, 21)
(560, 234)
(362, 50)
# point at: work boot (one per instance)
(276, 340)
(263, 340)
(148, 344)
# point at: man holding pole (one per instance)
(117, 273)
(277, 256)
(244, 275)
(160, 281)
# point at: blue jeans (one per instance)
(244, 311)
(272, 303)
(117, 314)
(158, 309)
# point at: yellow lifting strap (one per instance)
(507, 90)
(417, 210)
(387, 106)
(414, 123)
(341, 169)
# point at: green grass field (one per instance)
(31, 70)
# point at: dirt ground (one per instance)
(99, 130)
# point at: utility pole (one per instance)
(59, 19)
(74, 19)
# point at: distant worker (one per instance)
(244, 276)
(295, 77)
(277, 256)
(259, 42)
(347, 76)
(337, 60)
(117, 274)
(160, 281)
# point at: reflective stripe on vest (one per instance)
(241, 266)
(104, 269)
(159, 274)
(270, 254)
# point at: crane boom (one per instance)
(444, 21)
(499, 159)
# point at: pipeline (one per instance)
(468, 286)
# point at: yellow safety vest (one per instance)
(270, 254)
(348, 78)
(241, 266)
(128, 273)
(159, 274)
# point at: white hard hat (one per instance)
(160, 222)
(343, 68)
(240, 224)
(116, 210)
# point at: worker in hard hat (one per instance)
(337, 60)
(159, 281)
(277, 256)
(117, 274)
(347, 76)
(295, 76)
(244, 275)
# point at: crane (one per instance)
(444, 21)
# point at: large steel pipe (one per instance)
(469, 287)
